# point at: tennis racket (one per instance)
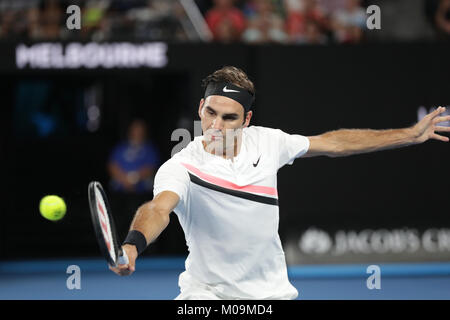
(104, 226)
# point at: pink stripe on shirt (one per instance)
(229, 185)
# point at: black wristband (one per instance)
(137, 239)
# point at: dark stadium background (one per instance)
(379, 82)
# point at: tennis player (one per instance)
(223, 188)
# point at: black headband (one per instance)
(226, 89)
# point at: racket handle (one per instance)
(123, 258)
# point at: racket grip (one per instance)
(123, 258)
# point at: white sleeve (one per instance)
(290, 147)
(172, 176)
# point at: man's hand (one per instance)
(427, 127)
(151, 219)
(127, 269)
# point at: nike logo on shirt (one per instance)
(255, 164)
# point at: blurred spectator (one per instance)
(442, 19)
(348, 22)
(330, 6)
(116, 23)
(133, 163)
(305, 16)
(94, 22)
(7, 26)
(132, 166)
(250, 7)
(226, 22)
(33, 29)
(313, 34)
(13, 22)
(264, 24)
(158, 20)
(51, 19)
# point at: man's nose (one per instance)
(217, 124)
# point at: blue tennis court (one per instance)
(157, 278)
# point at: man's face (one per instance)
(222, 119)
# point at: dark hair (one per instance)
(232, 75)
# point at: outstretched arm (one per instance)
(347, 142)
(151, 219)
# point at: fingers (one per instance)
(439, 137)
(441, 119)
(131, 253)
(438, 111)
(115, 270)
(126, 269)
(436, 120)
(123, 269)
(434, 115)
(442, 129)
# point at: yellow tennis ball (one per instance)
(52, 207)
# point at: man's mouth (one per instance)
(214, 135)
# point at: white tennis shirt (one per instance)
(229, 214)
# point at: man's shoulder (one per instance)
(173, 166)
(192, 149)
(260, 131)
(186, 154)
(264, 138)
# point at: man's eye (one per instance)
(210, 112)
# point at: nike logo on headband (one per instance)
(228, 90)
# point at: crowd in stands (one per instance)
(227, 21)
(289, 21)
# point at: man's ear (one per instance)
(248, 116)
(200, 107)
